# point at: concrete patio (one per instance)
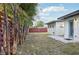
(62, 39)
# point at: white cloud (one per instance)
(43, 14)
(54, 8)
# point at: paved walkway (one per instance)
(61, 38)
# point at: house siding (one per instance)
(66, 29)
(75, 27)
(51, 29)
(55, 28)
(59, 28)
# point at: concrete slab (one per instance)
(62, 39)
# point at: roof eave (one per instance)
(69, 15)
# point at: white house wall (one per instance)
(76, 27)
(51, 30)
(66, 29)
(58, 29)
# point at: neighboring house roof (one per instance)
(53, 21)
(69, 15)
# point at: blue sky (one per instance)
(51, 11)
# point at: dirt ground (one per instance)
(40, 44)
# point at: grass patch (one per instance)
(71, 49)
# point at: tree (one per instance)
(7, 50)
(21, 18)
(30, 9)
(39, 24)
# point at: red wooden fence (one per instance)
(37, 29)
